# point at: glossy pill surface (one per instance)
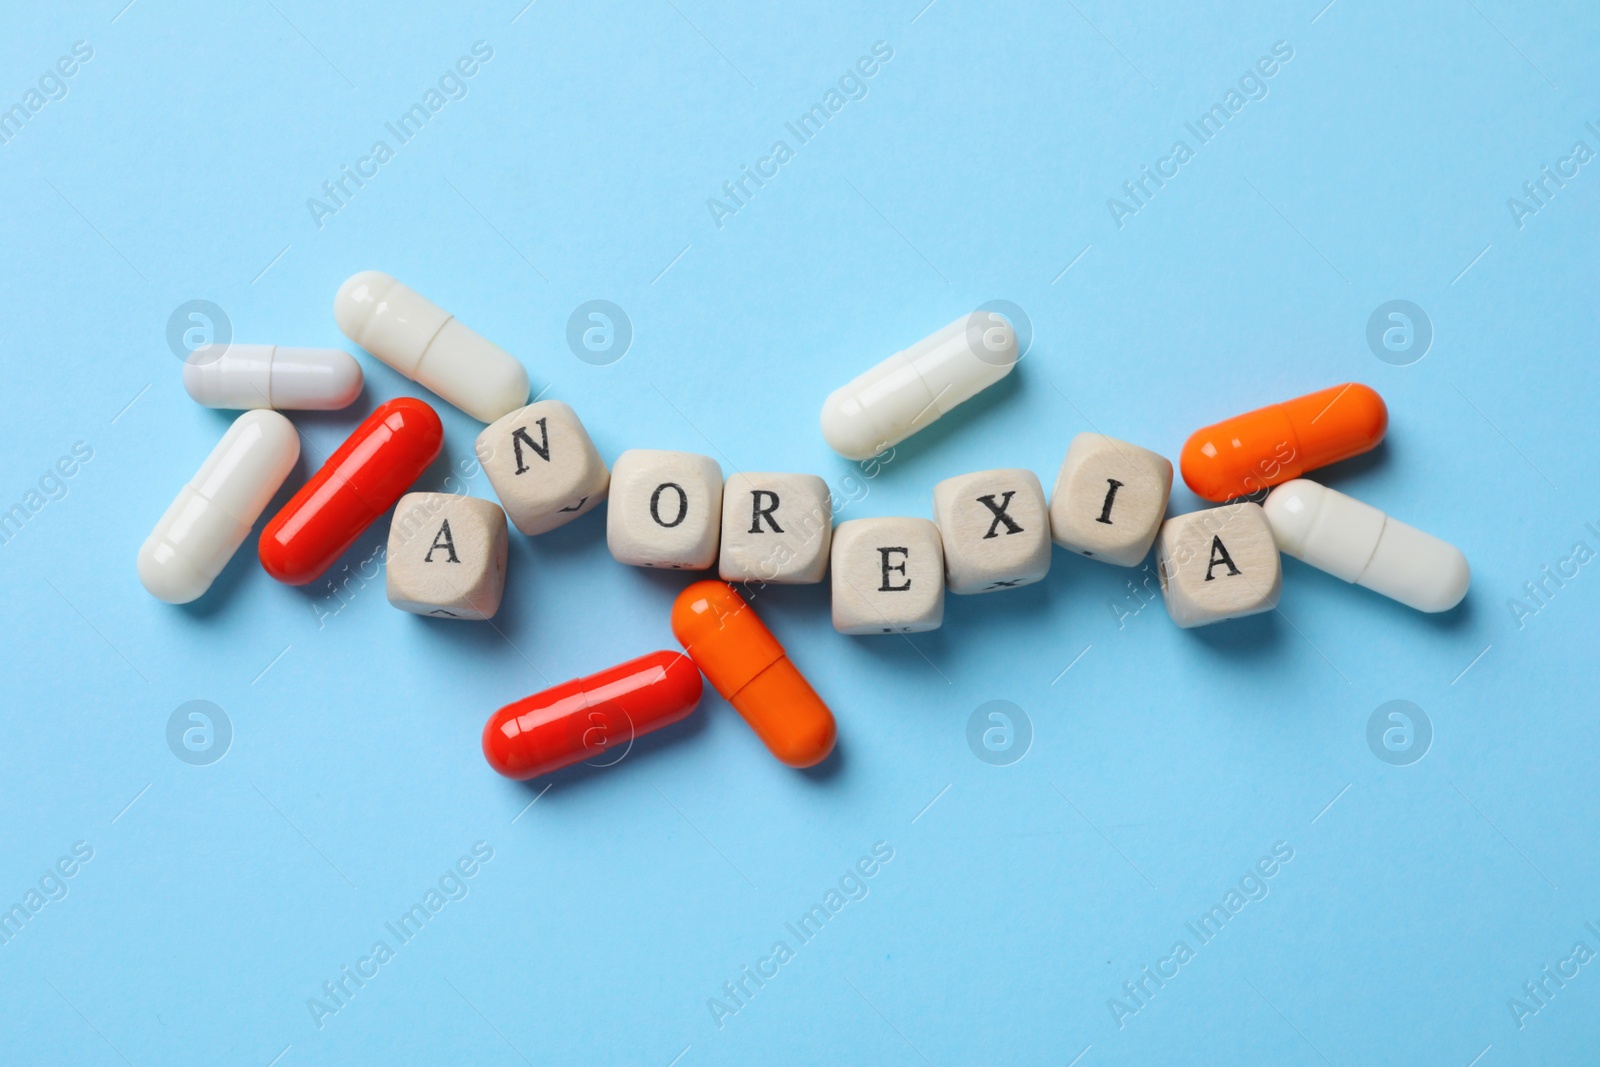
(1280, 442)
(597, 716)
(744, 662)
(913, 387)
(1357, 542)
(429, 345)
(270, 376)
(361, 480)
(212, 515)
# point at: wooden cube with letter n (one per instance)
(543, 466)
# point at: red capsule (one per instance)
(593, 716)
(361, 480)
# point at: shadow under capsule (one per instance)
(1360, 598)
(1374, 459)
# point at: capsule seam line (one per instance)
(1299, 449)
(1373, 554)
(226, 511)
(935, 395)
(429, 345)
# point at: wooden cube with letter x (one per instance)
(995, 530)
(447, 556)
(1221, 563)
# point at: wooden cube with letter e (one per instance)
(888, 576)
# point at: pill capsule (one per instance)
(588, 717)
(1274, 444)
(269, 376)
(361, 480)
(430, 346)
(744, 662)
(212, 515)
(913, 387)
(1357, 542)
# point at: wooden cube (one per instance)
(994, 528)
(888, 576)
(1109, 500)
(543, 466)
(1221, 563)
(447, 556)
(665, 509)
(775, 528)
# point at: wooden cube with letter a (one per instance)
(888, 576)
(1216, 564)
(995, 530)
(543, 466)
(1109, 500)
(447, 556)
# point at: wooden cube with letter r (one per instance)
(775, 528)
(447, 556)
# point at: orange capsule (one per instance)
(1280, 442)
(743, 661)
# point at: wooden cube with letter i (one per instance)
(1109, 500)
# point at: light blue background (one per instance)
(1019, 900)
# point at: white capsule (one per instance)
(213, 514)
(913, 387)
(430, 346)
(1357, 542)
(245, 377)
